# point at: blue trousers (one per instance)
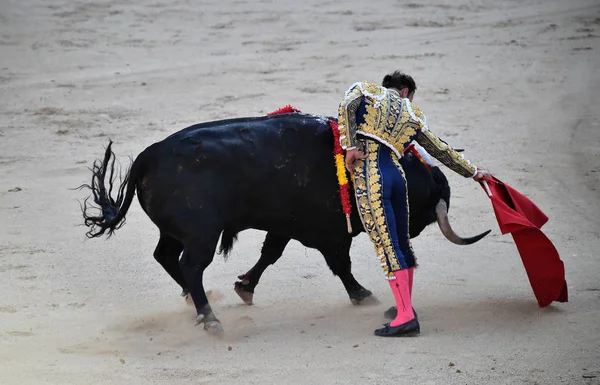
(382, 200)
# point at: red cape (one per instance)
(518, 215)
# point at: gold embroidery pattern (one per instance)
(368, 190)
(408, 128)
(388, 118)
(347, 117)
(372, 89)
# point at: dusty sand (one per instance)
(516, 83)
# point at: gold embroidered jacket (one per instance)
(380, 113)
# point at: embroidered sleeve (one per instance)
(347, 116)
(444, 153)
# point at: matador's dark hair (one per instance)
(399, 80)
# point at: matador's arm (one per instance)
(445, 154)
(347, 117)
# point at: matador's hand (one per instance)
(351, 156)
(481, 174)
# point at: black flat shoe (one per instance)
(409, 329)
(392, 312)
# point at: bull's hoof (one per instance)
(363, 297)
(243, 278)
(211, 324)
(244, 294)
(214, 328)
(390, 313)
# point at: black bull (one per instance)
(275, 174)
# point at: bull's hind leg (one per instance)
(337, 257)
(271, 251)
(197, 255)
(167, 254)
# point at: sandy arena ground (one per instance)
(516, 83)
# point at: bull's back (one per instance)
(264, 172)
(255, 149)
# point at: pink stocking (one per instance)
(401, 290)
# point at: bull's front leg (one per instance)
(272, 250)
(337, 256)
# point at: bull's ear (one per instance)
(459, 149)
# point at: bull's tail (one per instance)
(112, 211)
(228, 238)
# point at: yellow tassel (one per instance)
(341, 169)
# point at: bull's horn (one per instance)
(441, 211)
